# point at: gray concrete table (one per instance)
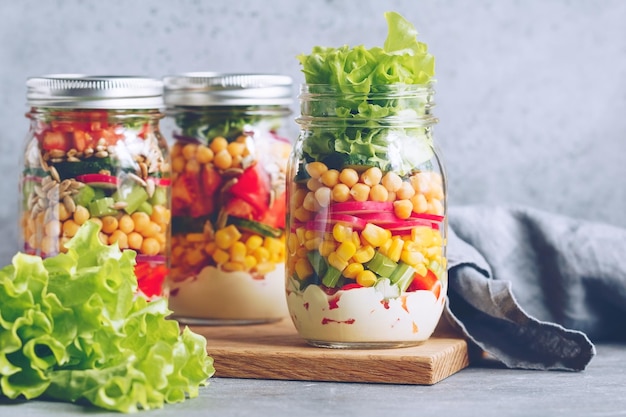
(484, 389)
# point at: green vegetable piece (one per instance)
(331, 277)
(102, 207)
(318, 262)
(86, 195)
(132, 194)
(74, 330)
(402, 276)
(381, 265)
(145, 207)
(255, 227)
(159, 198)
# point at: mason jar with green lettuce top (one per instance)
(229, 161)
(366, 224)
(94, 152)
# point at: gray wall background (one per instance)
(531, 94)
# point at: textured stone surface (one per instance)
(532, 94)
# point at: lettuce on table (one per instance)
(72, 329)
(359, 78)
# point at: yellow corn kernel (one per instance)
(411, 257)
(384, 248)
(210, 247)
(237, 251)
(301, 235)
(364, 254)
(422, 235)
(356, 239)
(327, 247)
(352, 270)
(346, 250)
(220, 256)
(421, 269)
(366, 278)
(226, 236)
(395, 249)
(265, 267)
(232, 266)
(437, 239)
(336, 261)
(261, 254)
(302, 214)
(303, 268)
(177, 254)
(249, 262)
(301, 252)
(374, 235)
(273, 245)
(313, 244)
(253, 242)
(194, 237)
(341, 232)
(194, 257)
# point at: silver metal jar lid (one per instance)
(217, 89)
(94, 92)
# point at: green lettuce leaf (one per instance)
(72, 329)
(361, 133)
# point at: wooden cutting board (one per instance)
(275, 351)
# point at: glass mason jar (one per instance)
(366, 244)
(94, 152)
(229, 161)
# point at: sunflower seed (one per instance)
(55, 174)
(102, 154)
(57, 153)
(138, 180)
(150, 188)
(69, 204)
(119, 205)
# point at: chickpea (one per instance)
(160, 215)
(349, 176)
(402, 208)
(192, 166)
(50, 245)
(135, 240)
(178, 163)
(420, 205)
(189, 151)
(150, 246)
(176, 149)
(222, 159)
(372, 176)
(392, 181)
(310, 202)
(109, 224)
(360, 192)
(151, 230)
(316, 169)
(322, 195)
(53, 228)
(70, 227)
(204, 154)
(313, 184)
(63, 213)
(330, 178)
(341, 193)
(236, 148)
(141, 220)
(218, 144)
(298, 197)
(405, 192)
(378, 193)
(97, 221)
(120, 237)
(81, 215)
(126, 224)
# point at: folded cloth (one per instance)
(533, 289)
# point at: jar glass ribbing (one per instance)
(229, 158)
(94, 152)
(367, 224)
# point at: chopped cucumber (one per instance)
(159, 198)
(86, 195)
(318, 262)
(255, 227)
(102, 207)
(145, 207)
(331, 277)
(133, 194)
(381, 265)
(402, 276)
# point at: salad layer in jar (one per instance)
(228, 206)
(105, 166)
(367, 198)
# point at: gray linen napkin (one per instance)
(532, 288)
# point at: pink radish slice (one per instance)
(98, 180)
(353, 207)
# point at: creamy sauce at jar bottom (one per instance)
(221, 297)
(361, 317)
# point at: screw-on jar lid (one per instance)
(216, 89)
(94, 92)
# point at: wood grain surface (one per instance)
(275, 351)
